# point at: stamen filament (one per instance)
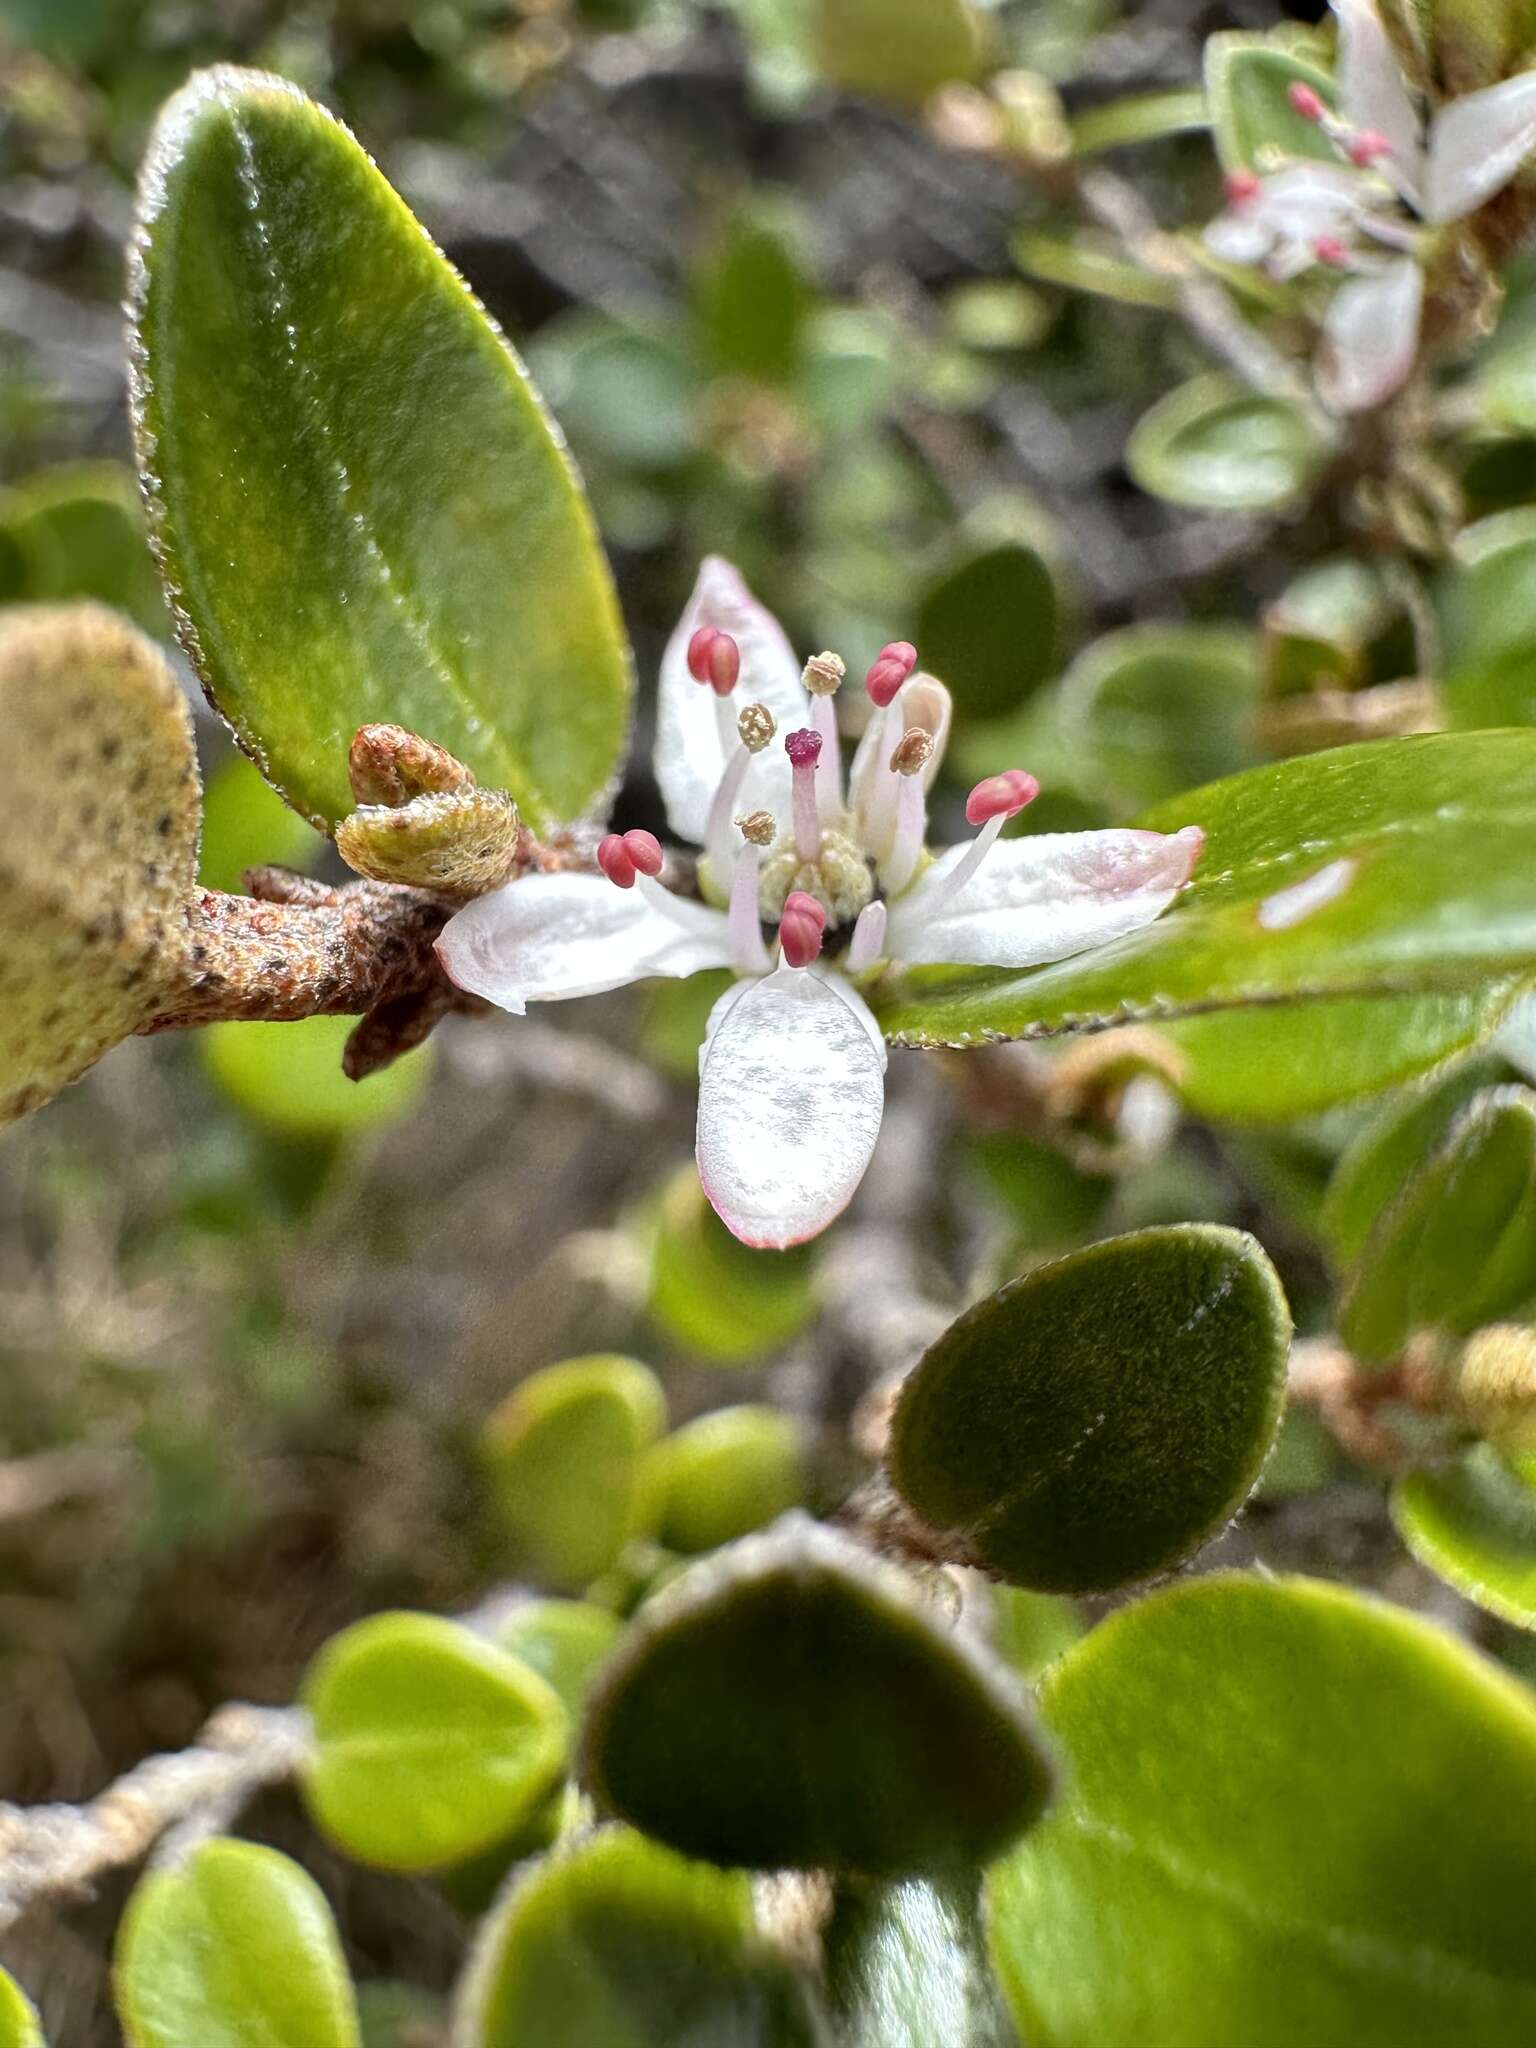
(900, 864)
(748, 953)
(718, 836)
(829, 771)
(725, 721)
(968, 863)
(868, 941)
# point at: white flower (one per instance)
(792, 1070)
(1396, 171)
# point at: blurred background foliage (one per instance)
(253, 1318)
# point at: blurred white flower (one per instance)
(792, 1069)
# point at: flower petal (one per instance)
(690, 756)
(545, 937)
(1372, 94)
(1516, 1037)
(1234, 237)
(1371, 337)
(791, 1092)
(1476, 145)
(1043, 897)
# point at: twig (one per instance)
(59, 1851)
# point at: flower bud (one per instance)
(454, 842)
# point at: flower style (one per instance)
(792, 1069)
(1397, 174)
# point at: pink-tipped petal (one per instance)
(1476, 145)
(1001, 796)
(545, 937)
(1371, 337)
(1042, 898)
(791, 1090)
(691, 753)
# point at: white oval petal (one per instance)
(1237, 238)
(1516, 1037)
(1043, 897)
(1476, 145)
(1371, 337)
(790, 1099)
(690, 758)
(1372, 94)
(545, 937)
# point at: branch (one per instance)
(60, 1851)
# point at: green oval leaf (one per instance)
(1247, 90)
(723, 1475)
(98, 842)
(1361, 871)
(790, 1703)
(565, 1641)
(616, 1943)
(288, 1077)
(1474, 1525)
(233, 1947)
(430, 1744)
(19, 2024)
(406, 540)
(898, 50)
(563, 1454)
(1457, 1247)
(1215, 444)
(718, 1297)
(246, 824)
(1150, 709)
(1097, 1420)
(1264, 1066)
(988, 626)
(1294, 1815)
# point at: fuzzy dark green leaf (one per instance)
(1095, 1421)
(361, 510)
(791, 1703)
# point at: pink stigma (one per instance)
(1367, 146)
(644, 850)
(1330, 250)
(1243, 187)
(1304, 101)
(616, 861)
(1001, 796)
(803, 748)
(800, 928)
(714, 658)
(889, 670)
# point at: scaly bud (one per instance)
(388, 765)
(456, 842)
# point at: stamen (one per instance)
(760, 827)
(1305, 101)
(1330, 250)
(801, 925)
(644, 850)
(755, 727)
(889, 670)
(804, 749)
(1367, 148)
(990, 805)
(912, 752)
(868, 941)
(616, 861)
(743, 925)
(824, 672)
(910, 756)
(714, 658)
(1243, 187)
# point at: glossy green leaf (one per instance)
(430, 1743)
(1216, 445)
(716, 1296)
(1029, 1631)
(1265, 1066)
(1049, 1201)
(907, 1965)
(98, 843)
(565, 1641)
(19, 2025)
(80, 530)
(1097, 1420)
(1487, 605)
(791, 1703)
(563, 1456)
(898, 50)
(1151, 709)
(1387, 1151)
(1359, 871)
(987, 625)
(617, 1943)
(232, 1948)
(1457, 1246)
(1294, 1815)
(1247, 85)
(1473, 1523)
(407, 540)
(288, 1077)
(246, 824)
(724, 1475)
